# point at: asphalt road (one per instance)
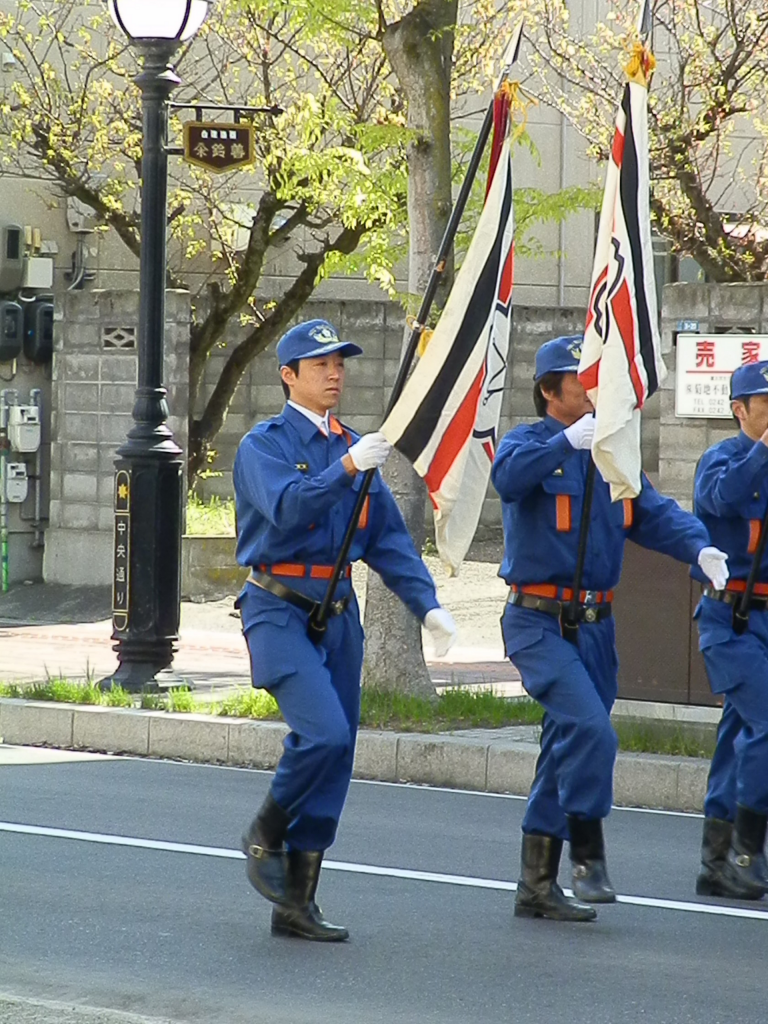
(167, 926)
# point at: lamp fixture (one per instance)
(172, 20)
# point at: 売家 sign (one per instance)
(705, 363)
(219, 147)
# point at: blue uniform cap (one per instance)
(751, 379)
(561, 355)
(311, 339)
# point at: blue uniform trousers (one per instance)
(577, 689)
(720, 799)
(737, 667)
(317, 689)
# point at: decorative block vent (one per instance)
(118, 337)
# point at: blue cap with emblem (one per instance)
(561, 355)
(312, 339)
(750, 379)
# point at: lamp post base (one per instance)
(145, 677)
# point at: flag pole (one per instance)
(318, 622)
(569, 616)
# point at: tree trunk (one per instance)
(420, 49)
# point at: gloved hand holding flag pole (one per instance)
(443, 388)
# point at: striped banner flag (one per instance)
(446, 420)
(621, 364)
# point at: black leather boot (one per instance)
(590, 876)
(303, 917)
(745, 865)
(263, 847)
(713, 879)
(538, 894)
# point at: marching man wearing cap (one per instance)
(296, 478)
(730, 497)
(540, 472)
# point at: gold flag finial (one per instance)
(640, 65)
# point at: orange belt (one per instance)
(299, 571)
(739, 586)
(556, 593)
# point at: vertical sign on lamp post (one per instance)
(122, 556)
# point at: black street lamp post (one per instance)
(149, 466)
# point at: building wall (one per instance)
(94, 380)
(93, 387)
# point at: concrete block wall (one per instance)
(92, 395)
(718, 309)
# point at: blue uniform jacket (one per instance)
(294, 500)
(729, 496)
(541, 481)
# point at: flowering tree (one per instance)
(709, 132)
(330, 169)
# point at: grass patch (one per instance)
(61, 690)
(249, 704)
(117, 697)
(182, 700)
(637, 737)
(454, 709)
(212, 518)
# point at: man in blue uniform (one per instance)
(296, 479)
(540, 472)
(730, 497)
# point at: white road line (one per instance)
(367, 869)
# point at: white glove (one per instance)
(713, 563)
(443, 629)
(581, 432)
(370, 452)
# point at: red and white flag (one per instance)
(447, 418)
(621, 364)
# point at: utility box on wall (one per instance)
(11, 257)
(24, 428)
(38, 331)
(14, 481)
(11, 330)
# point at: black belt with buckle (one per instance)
(757, 604)
(266, 582)
(584, 612)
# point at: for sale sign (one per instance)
(705, 363)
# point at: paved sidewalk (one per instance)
(66, 631)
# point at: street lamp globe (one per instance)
(172, 20)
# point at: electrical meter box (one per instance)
(11, 257)
(14, 481)
(24, 427)
(11, 330)
(38, 331)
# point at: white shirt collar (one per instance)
(321, 422)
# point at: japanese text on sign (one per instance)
(121, 577)
(704, 367)
(218, 147)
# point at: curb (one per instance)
(484, 765)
